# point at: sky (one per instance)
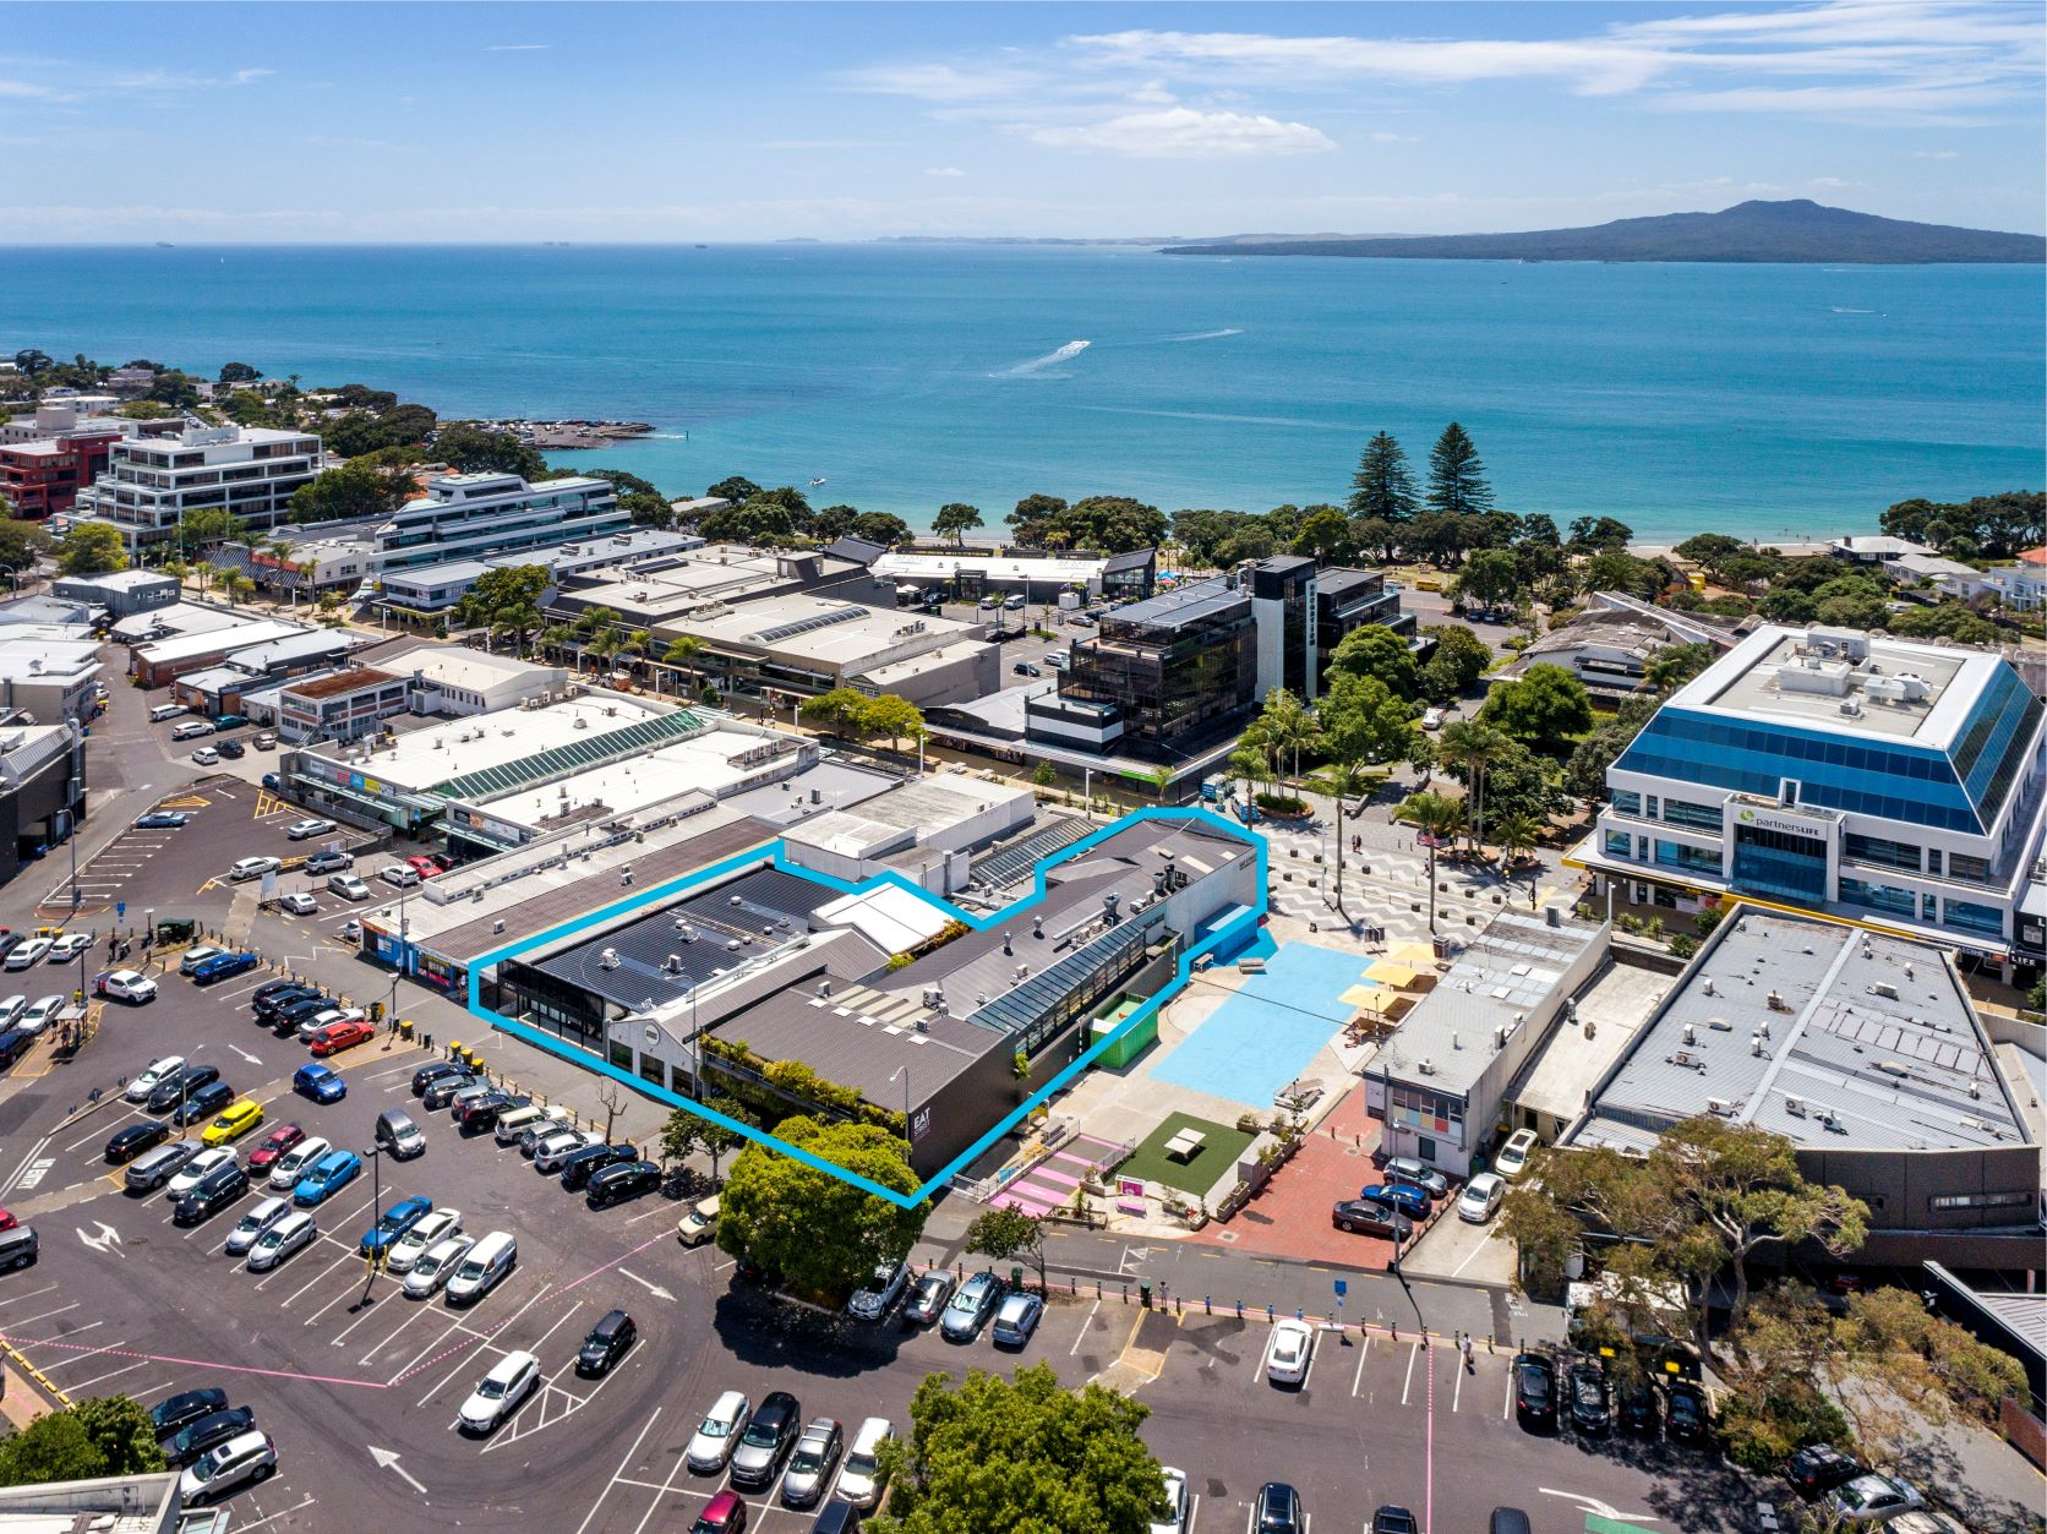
(320, 123)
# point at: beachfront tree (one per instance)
(1437, 819)
(30, 361)
(736, 488)
(1468, 750)
(1375, 650)
(1457, 482)
(881, 527)
(1594, 535)
(238, 372)
(1326, 537)
(1546, 709)
(1491, 578)
(472, 449)
(955, 520)
(1383, 487)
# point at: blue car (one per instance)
(221, 966)
(162, 820)
(270, 782)
(1398, 1196)
(398, 1219)
(322, 1083)
(326, 1177)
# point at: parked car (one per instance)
(272, 998)
(860, 1478)
(190, 729)
(153, 1169)
(427, 1074)
(435, 1266)
(347, 886)
(198, 954)
(1818, 1468)
(175, 1413)
(1402, 1198)
(396, 1221)
(68, 947)
(927, 1298)
(971, 1307)
(1535, 1392)
(1175, 1490)
(1290, 1353)
(1591, 1401)
(1513, 1158)
(1277, 1510)
(294, 1233)
(608, 1342)
(427, 1231)
(550, 1152)
(126, 985)
(616, 1184)
(301, 830)
(255, 1220)
(212, 1193)
(273, 1145)
(312, 1024)
(25, 954)
(204, 1103)
(711, 1446)
(321, 1083)
(326, 1177)
(231, 749)
(335, 1037)
(770, 1434)
(1687, 1413)
(1420, 1173)
(163, 820)
(244, 869)
(1366, 1217)
(1480, 1200)
(498, 1394)
(223, 966)
(1641, 1410)
(1016, 1319)
(328, 860)
(424, 866)
(131, 1142)
(399, 876)
(298, 903)
(881, 1293)
(151, 1076)
(264, 741)
(229, 721)
(441, 1090)
(247, 1458)
(173, 1090)
(811, 1465)
(580, 1166)
(294, 1163)
(40, 1014)
(236, 1120)
(1872, 1499)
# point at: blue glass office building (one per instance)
(1892, 782)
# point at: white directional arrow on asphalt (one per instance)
(654, 1289)
(386, 1460)
(103, 1239)
(1594, 1508)
(253, 1060)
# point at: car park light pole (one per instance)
(371, 1263)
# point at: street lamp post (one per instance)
(376, 1158)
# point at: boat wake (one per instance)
(1065, 353)
(1209, 335)
(1839, 310)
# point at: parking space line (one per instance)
(273, 1517)
(285, 1303)
(1364, 1352)
(98, 1379)
(1084, 1325)
(1405, 1384)
(1507, 1405)
(1457, 1393)
(415, 1309)
(16, 1299)
(616, 1475)
(44, 1316)
(65, 1363)
(346, 1291)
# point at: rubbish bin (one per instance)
(1016, 1277)
(405, 1028)
(1144, 1292)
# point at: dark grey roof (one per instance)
(859, 550)
(1134, 559)
(1284, 564)
(1334, 583)
(860, 1050)
(757, 910)
(1188, 603)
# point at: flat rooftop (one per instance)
(833, 784)
(712, 761)
(823, 630)
(1777, 673)
(461, 666)
(212, 641)
(460, 748)
(1001, 567)
(1189, 602)
(892, 675)
(337, 685)
(1616, 1007)
(1510, 969)
(1871, 1044)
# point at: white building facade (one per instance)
(152, 482)
(466, 516)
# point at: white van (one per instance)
(860, 1477)
(487, 1262)
(700, 1224)
(165, 711)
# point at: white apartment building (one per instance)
(466, 516)
(151, 482)
(1899, 784)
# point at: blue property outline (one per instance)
(1223, 939)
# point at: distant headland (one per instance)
(1798, 231)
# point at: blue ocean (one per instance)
(1777, 402)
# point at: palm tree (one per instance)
(1473, 745)
(682, 652)
(1435, 817)
(232, 581)
(1517, 834)
(1284, 728)
(555, 638)
(1250, 763)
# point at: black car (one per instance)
(927, 1299)
(1818, 1468)
(1277, 1510)
(1535, 1391)
(331, 861)
(131, 1142)
(479, 1115)
(173, 1090)
(1641, 1410)
(606, 1344)
(1686, 1415)
(286, 1019)
(270, 988)
(184, 1409)
(616, 1184)
(209, 1099)
(1368, 1217)
(280, 995)
(580, 1166)
(212, 1193)
(231, 749)
(444, 1087)
(214, 1428)
(1591, 1401)
(427, 1075)
(770, 1434)
(1394, 1520)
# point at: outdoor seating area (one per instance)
(1186, 1154)
(1186, 1145)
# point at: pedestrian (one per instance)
(1470, 1364)
(429, 1038)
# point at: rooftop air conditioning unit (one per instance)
(1426, 1066)
(733, 944)
(1795, 1106)
(609, 958)
(1884, 988)
(1719, 1105)
(673, 964)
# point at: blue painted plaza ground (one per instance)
(1265, 1034)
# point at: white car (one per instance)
(205, 756)
(10, 1008)
(299, 903)
(253, 868)
(197, 955)
(69, 947)
(498, 1394)
(1513, 1158)
(1290, 1352)
(399, 876)
(299, 830)
(40, 1014)
(27, 953)
(285, 1175)
(319, 1020)
(152, 1075)
(1480, 1200)
(128, 985)
(295, 1231)
(191, 729)
(550, 1153)
(1175, 1521)
(718, 1434)
(250, 1227)
(189, 1174)
(1432, 719)
(411, 1246)
(249, 1456)
(433, 1267)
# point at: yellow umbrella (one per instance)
(1419, 955)
(1364, 994)
(1386, 972)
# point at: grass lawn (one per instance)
(1216, 1157)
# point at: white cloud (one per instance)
(251, 76)
(26, 90)
(1383, 137)
(949, 171)
(1832, 183)
(1936, 154)
(945, 83)
(1184, 133)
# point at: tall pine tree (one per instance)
(1457, 482)
(1383, 487)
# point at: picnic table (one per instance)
(1185, 1145)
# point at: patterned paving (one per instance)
(1050, 1183)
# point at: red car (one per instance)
(273, 1145)
(7, 1220)
(423, 865)
(725, 1513)
(336, 1037)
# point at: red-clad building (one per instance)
(44, 477)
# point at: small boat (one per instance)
(816, 482)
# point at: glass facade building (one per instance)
(1175, 667)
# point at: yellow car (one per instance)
(236, 1120)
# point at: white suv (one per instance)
(253, 868)
(246, 1457)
